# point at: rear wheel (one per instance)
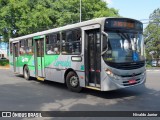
(26, 73)
(72, 82)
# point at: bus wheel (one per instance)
(72, 82)
(26, 73)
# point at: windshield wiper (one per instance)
(104, 51)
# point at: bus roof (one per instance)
(76, 25)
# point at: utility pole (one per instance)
(80, 11)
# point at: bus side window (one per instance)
(77, 41)
(53, 44)
(47, 43)
(29, 46)
(22, 47)
(71, 41)
(64, 51)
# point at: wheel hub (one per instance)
(74, 81)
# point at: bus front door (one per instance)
(92, 57)
(39, 56)
(15, 57)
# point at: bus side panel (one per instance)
(20, 64)
(78, 66)
(11, 63)
(81, 76)
(21, 70)
(31, 66)
(40, 67)
(52, 73)
(57, 65)
(29, 61)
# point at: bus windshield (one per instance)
(123, 47)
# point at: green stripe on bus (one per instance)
(39, 37)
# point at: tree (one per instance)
(67, 11)
(152, 36)
(20, 17)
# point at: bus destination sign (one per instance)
(123, 24)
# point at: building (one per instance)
(3, 49)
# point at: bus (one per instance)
(102, 54)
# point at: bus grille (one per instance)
(127, 66)
(126, 83)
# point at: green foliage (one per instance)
(67, 11)
(148, 64)
(152, 36)
(4, 62)
(29, 16)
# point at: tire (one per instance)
(26, 73)
(72, 82)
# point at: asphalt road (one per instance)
(17, 94)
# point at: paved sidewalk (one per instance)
(153, 69)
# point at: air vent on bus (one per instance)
(126, 66)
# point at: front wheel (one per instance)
(72, 82)
(26, 73)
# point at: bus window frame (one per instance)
(59, 44)
(11, 48)
(26, 46)
(80, 41)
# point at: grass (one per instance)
(148, 66)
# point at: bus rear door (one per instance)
(15, 57)
(39, 55)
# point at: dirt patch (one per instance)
(6, 66)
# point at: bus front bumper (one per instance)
(108, 83)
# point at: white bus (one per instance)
(102, 54)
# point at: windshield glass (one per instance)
(123, 47)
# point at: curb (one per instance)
(4, 68)
(153, 70)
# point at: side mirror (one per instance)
(106, 35)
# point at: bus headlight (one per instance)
(111, 74)
(143, 74)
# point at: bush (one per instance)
(4, 62)
(148, 66)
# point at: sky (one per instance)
(136, 9)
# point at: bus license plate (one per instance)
(132, 81)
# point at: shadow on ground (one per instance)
(36, 95)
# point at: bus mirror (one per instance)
(105, 34)
(105, 42)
